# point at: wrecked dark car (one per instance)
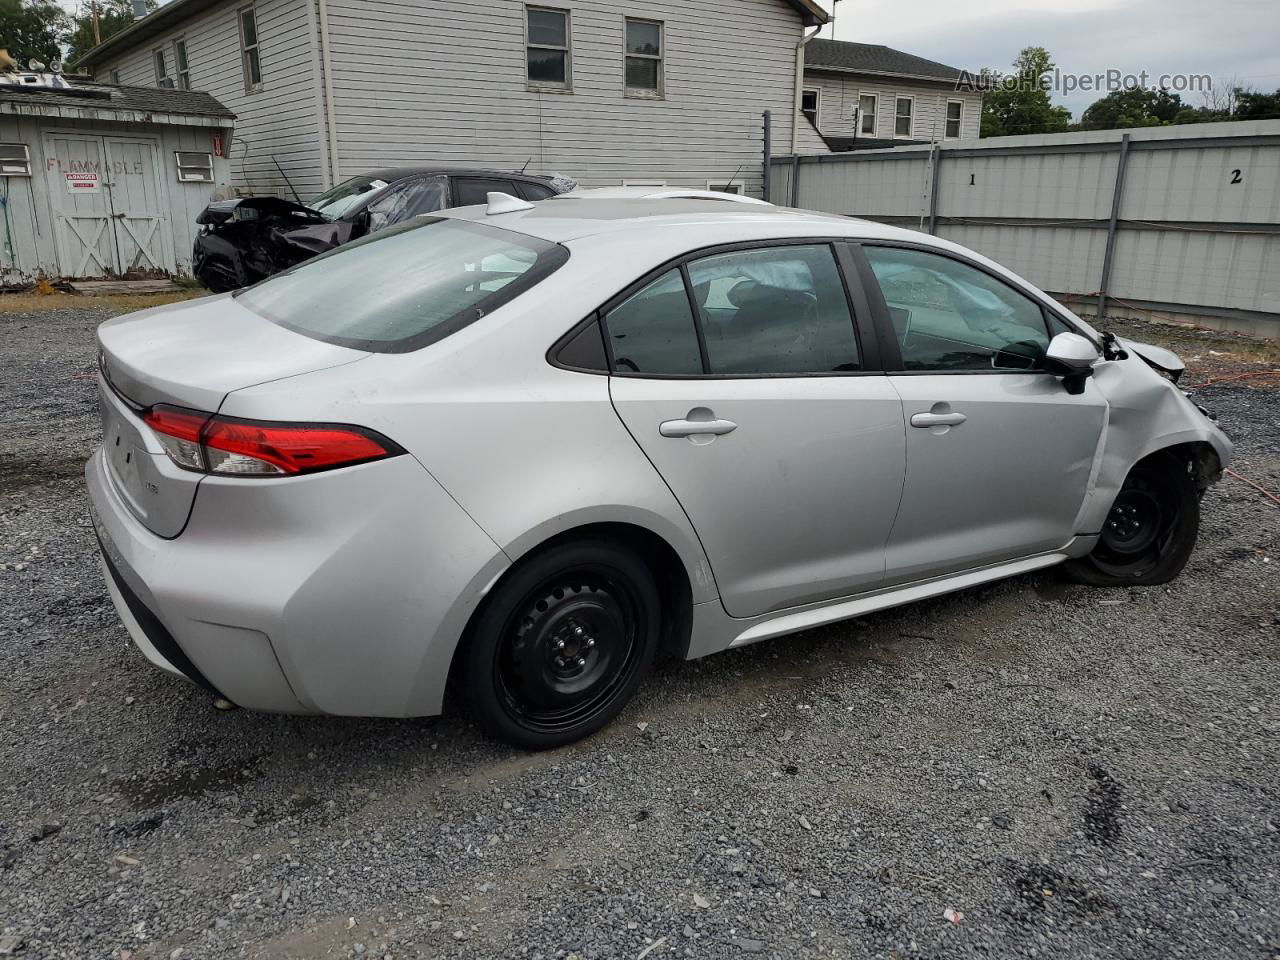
(246, 240)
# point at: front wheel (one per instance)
(562, 644)
(1150, 530)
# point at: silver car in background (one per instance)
(531, 447)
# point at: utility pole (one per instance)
(97, 30)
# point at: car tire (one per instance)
(561, 644)
(1149, 532)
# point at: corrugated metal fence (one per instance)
(1183, 221)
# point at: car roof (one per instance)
(565, 218)
(392, 174)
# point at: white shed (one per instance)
(99, 180)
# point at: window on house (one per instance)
(902, 116)
(810, 103)
(955, 113)
(868, 103)
(14, 160)
(644, 56)
(547, 51)
(250, 58)
(115, 77)
(162, 69)
(194, 167)
(180, 64)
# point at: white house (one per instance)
(608, 92)
(865, 95)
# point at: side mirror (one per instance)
(1071, 357)
(360, 224)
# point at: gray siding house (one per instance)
(864, 96)
(605, 91)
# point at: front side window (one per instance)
(902, 116)
(867, 104)
(644, 56)
(810, 102)
(336, 202)
(949, 316)
(406, 200)
(162, 69)
(653, 331)
(955, 114)
(250, 58)
(180, 64)
(547, 50)
(776, 310)
(406, 286)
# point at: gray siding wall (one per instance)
(839, 100)
(1199, 218)
(278, 123)
(446, 82)
(30, 242)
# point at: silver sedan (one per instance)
(528, 448)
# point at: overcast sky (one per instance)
(1222, 38)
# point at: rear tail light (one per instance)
(249, 448)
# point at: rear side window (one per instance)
(407, 286)
(471, 190)
(535, 191)
(653, 330)
(776, 310)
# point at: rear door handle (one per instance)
(696, 428)
(937, 419)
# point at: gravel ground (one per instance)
(1076, 772)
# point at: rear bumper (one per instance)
(342, 593)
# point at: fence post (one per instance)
(768, 151)
(936, 155)
(795, 180)
(1121, 163)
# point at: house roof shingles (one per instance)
(119, 99)
(873, 58)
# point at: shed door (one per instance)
(133, 182)
(82, 207)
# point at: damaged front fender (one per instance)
(244, 241)
(1146, 414)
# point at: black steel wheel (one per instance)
(562, 644)
(1150, 530)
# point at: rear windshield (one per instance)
(407, 286)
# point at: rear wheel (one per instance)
(562, 644)
(1150, 530)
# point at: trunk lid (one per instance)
(190, 355)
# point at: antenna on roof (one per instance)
(735, 175)
(526, 163)
(296, 198)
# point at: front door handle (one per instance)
(696, 428)
(937, 419)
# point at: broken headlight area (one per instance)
(244, 241)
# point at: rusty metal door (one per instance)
(138, 207)
(83, 227)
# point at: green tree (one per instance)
(31, 30)
(1251, 105)
(113, 16)
(1019, 103)
(1132, 107)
